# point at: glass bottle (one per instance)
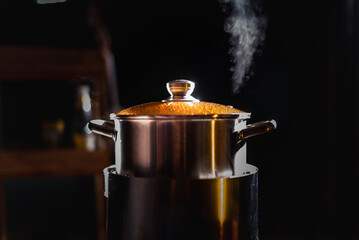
(82, 136)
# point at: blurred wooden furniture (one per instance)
(56, 64)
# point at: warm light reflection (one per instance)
(221, 200)
(213, 147)
(221, 203)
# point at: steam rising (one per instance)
(246, 25)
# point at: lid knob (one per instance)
(181, 90)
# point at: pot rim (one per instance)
(242, 116)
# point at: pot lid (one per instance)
(182, 103)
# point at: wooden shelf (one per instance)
(49, 64)
(57, 162)
(20, 64)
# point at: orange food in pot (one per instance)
(179, 108)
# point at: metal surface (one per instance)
(181, 90)
(254, 130)
(182, 103)
(192, 145)
(103, 127)
(178, 147)
(257, 129)
(164, 208)
(182, 175)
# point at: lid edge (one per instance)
(243, 116)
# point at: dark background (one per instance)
(305, 76)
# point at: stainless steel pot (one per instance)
(181, 137)
(182, 208)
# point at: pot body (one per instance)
(179, 147)
(164, 208)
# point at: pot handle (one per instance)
(103, 127)
(255, 129)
